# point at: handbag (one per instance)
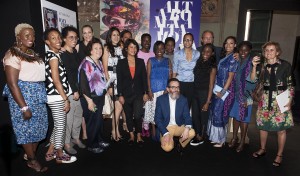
(258, 91)
(108, 107)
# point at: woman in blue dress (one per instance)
(242, 106)
(159, 71)
(219, 112)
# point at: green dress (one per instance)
(268, 116)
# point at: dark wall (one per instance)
(283, 5)
(13, 12)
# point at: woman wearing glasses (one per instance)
(184, 63)
(71, 62)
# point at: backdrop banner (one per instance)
(169, 18)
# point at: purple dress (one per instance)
(219, 111)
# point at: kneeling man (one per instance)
(172, 117)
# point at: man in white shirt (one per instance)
(172, 117)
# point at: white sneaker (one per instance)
(65, 159)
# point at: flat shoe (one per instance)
(50, 156)
(70, 150)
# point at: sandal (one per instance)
(233, 142)
(258, 154)
(240, 147)
(35, 165)
(125, 127)
(276, 163)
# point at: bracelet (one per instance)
(24, 109)
(223, 91)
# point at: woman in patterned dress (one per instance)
(25, 75)
(277, 79)
(92, 85)
(242, 106)
(111, 54)
(219, 112)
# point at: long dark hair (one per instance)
(109, 44)
(223, 51)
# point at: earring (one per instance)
(19, 43)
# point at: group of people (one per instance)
(189, 93)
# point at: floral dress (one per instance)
(268, 115)
(112, 62)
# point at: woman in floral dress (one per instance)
(277, 79)
(92, 84)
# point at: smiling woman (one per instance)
(25, 75)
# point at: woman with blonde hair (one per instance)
(25, 75)
(269, 117)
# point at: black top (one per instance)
(217, 52)
(82, 50)
(202, 74)
(128, 86)
(71, 63)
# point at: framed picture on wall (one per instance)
(211, 11)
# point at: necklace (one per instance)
(29, 55)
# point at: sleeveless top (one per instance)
(159, 74)
(50, 88)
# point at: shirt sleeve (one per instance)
(175, 62)
(233, 64)
(12, 61)
(84, 83)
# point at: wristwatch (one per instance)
(24, 109)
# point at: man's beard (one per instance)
(174, 96)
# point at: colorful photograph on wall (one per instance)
(132, 15)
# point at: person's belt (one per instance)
(110, 68)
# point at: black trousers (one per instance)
(133, 108)
(94, 121)
(199, 117)
(187, 90)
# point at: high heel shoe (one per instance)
(219, 145)
(276, 163)
(240, 147)
(233, 142)
(259, 154)
(113, 137)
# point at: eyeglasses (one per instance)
(174, 87)
(73, 37)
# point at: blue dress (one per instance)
(220, 109)
(242, 92)
(158, 80)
